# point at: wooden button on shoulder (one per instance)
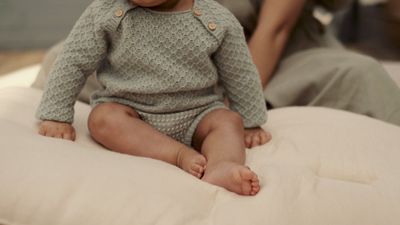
(197, 12)
(119, 12)
(212, 26)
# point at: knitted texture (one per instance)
(155, 62)
(180, 126)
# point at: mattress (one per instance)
(322, 166)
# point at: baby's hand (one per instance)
(57, 130)
(256, 136)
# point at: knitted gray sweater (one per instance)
(155, 62)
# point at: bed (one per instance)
(323, 166)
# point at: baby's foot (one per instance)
(191, 161)
(233, 177)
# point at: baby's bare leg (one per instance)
(119, 128)
(220, 136)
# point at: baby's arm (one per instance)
(57, 130)
(84, 49)
(239, 76)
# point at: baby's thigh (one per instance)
(110, 113)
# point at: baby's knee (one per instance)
(225, 116)
(101, 121)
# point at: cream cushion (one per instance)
(322, 166)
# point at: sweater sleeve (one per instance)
(83, 51)
(240, 78)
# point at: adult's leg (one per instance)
(119, 128)
(337, 79)
(220, 137)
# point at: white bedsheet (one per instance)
(21, 78)
(322, 166)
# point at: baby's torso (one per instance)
(160, 61)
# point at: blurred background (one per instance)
(29, 28)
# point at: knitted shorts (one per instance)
(181, 125)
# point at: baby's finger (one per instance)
(68, 136)
(58, 135)
(73, 135)
(50, 132)
(264, 137)
(247, 140)
(42, 131)
(255, 141)
(54, 132)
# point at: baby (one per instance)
(159, 62)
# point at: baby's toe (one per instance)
(197, 168)
(255, 189)
(255, 186)
(194, 173)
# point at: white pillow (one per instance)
(323, 166)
